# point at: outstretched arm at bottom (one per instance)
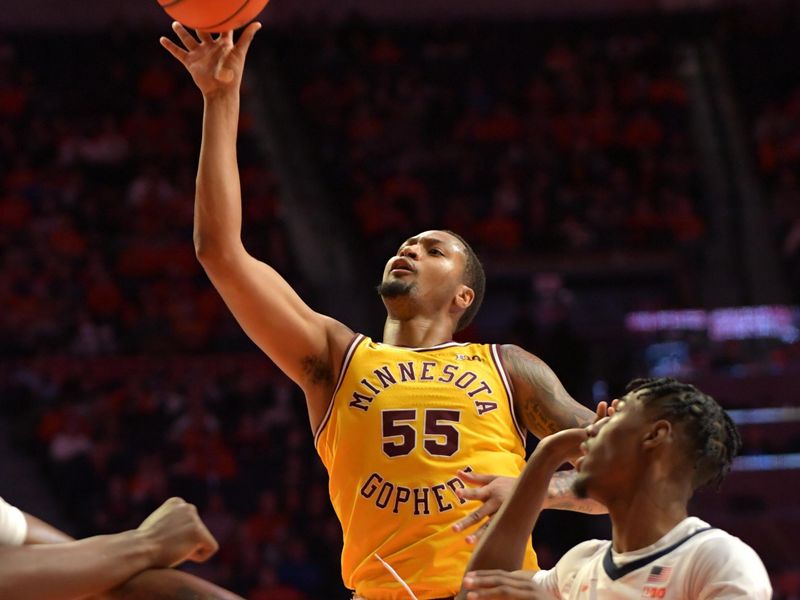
(168, 584)
(72, 569)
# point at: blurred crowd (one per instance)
(776, 134)
(525, 143)
(96, 201)
(768, 91)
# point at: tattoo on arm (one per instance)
(561, 497)
(541, 401)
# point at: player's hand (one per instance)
(604, 409)
(502, 585)
(177, 534)
(215, 63)
(566, 445)
(493, 490)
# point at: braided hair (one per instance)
(714, 436)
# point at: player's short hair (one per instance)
(714, 436)
(474, 277)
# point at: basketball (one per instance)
(214, 16)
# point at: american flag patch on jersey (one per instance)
(659, 574)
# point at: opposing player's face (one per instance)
(429, 265)
(612, 452)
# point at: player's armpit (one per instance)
(541, 402)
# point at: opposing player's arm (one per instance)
(304, 344)
(541, 402)
(40, 532)
(153, 584)
(167, 584)
(561, 497)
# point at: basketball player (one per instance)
(393, 421)
(39, 561)
(644, 463)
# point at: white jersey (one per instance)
(13, 526)
(693, 561)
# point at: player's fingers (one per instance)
(187, 39)
(496, 579)
(474, 537)
(481, 493)
(173, 49)
(204, 36)
(207, 547)
(476, 478)
(499, 593)
(602, 410)
(471, 519)
(247, 37)
(485, 573)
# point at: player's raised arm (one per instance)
(303, 343)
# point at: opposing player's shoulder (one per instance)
(524, 368)
(514, 352)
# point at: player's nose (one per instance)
(410, 252)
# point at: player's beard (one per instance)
(580, 487)
(395, 288)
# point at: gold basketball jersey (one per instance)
(401, 423)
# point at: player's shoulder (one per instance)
(580, 553)
(512, 355)
(721, 559)
(722, 547)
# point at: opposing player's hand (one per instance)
(492, 490)
(177, 534)
(215, 63)
(502, 585)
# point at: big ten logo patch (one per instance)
(650, 591)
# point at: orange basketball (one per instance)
(213, 16)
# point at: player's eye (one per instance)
(436, 251)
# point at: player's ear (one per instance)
(657, 434)
(464, 297)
